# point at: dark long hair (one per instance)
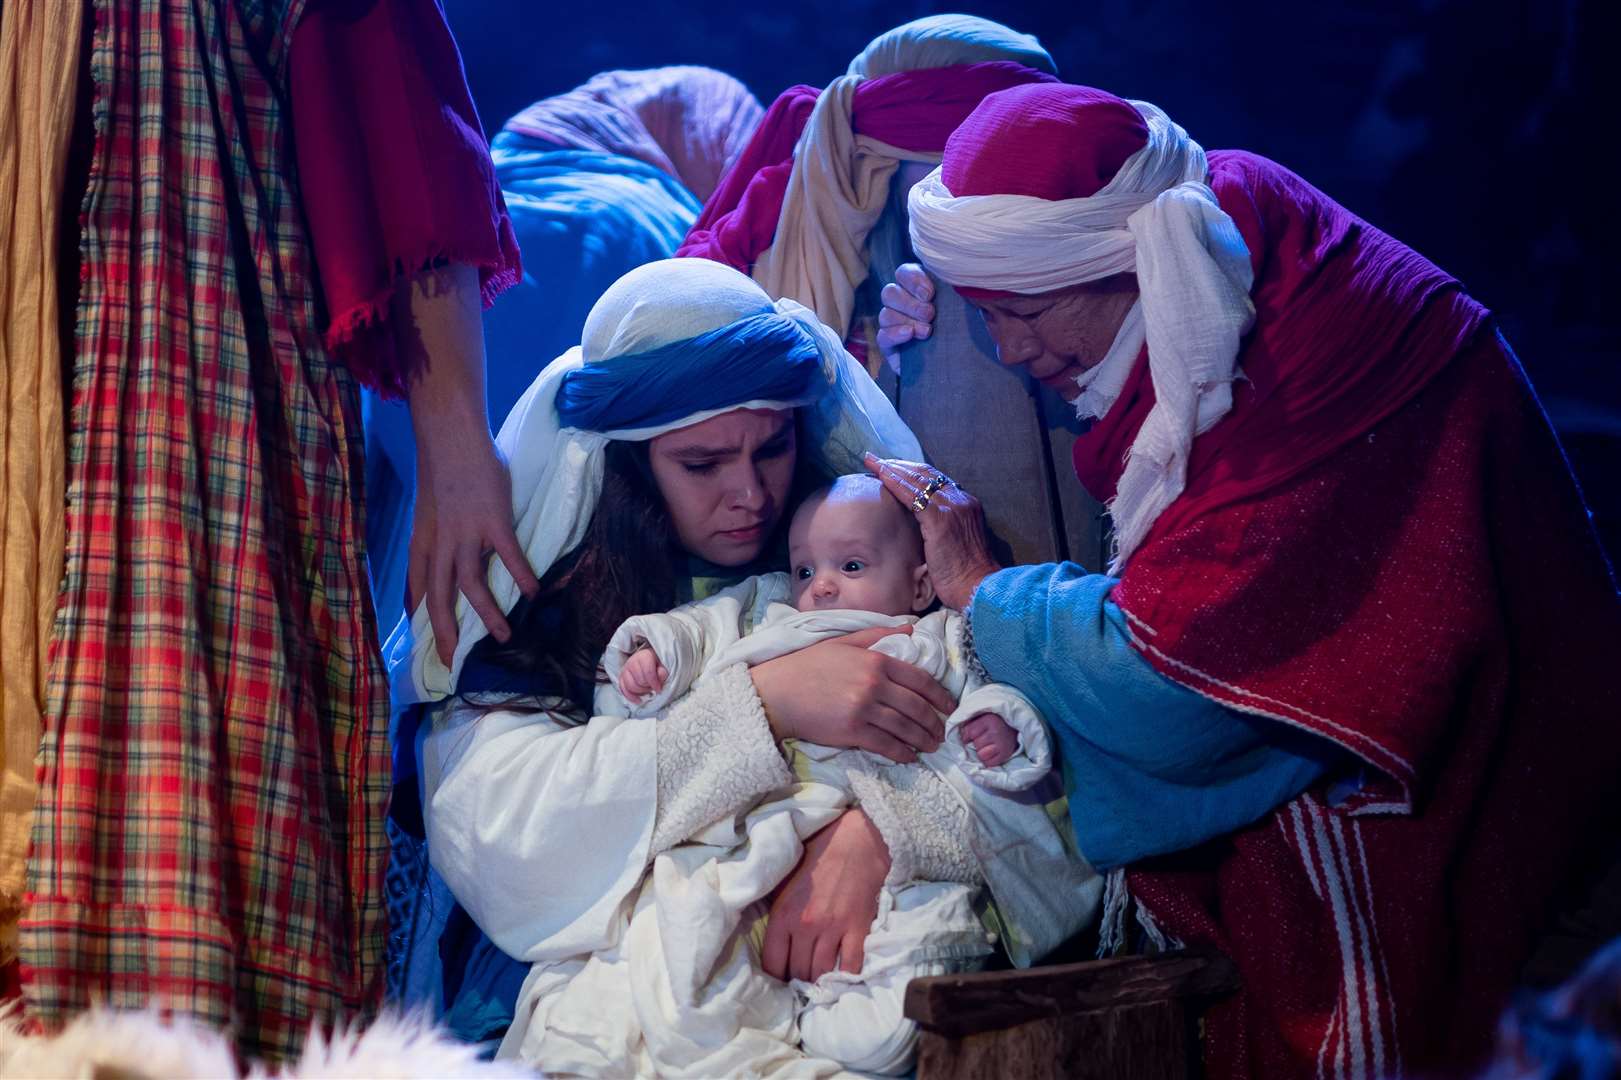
(624, 566)
(629, 563)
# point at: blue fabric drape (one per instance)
(764, 357)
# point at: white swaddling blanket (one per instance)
(1044, 890)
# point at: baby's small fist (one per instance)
(992, 739)
(642, 676)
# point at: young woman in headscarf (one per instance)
(651, 464)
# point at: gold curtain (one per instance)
(39, 65)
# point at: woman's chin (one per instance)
(725, 551)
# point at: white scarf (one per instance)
(840, 181)
(1158, 218)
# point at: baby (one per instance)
(851, 546)
(973, 840)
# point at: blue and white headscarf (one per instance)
(669, 345)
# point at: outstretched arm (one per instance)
(1150, 766)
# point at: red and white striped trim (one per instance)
(1359, 1041)
(1257, 704)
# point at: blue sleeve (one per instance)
(1149, 766)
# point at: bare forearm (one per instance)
(440, 317)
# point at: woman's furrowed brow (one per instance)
(703, 453)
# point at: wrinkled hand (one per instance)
(839, 693)
(955, 544)
(992, 739)
(821, 914)
(463, 514)
(908, 311)
(642, 676)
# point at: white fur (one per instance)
(145, 1046)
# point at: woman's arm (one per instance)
(842, 693)
(821, 914)
(541, 826)
(1150, 766)
(463, 509)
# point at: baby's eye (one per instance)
(803, 573)
(853, 566)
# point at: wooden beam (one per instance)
(959, 1005)
(1133, 1042)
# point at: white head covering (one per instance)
(1158, 218)
(557, 472)
(839, 184)
(937, 41)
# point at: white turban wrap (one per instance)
(839, 184)
(557, 472)
(1158, 218)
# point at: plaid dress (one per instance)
(214, 771)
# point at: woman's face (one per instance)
(725, 481)
(1056, 336)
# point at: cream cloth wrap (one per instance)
(839, 184)
(556, 472)
(1158, 218)
(39, 67)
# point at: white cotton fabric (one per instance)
(1043, 891)
(679, 991)
(1157, 218)
(839, 184)
(556, 472)
(671, 983)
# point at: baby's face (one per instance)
(856, 550)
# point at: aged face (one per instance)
(855, 548)
(725, 481)
(1056, 336)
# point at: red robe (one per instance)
(1382, 545)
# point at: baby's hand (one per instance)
(642, 676)
(991, 739)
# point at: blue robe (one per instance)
(1149, 766)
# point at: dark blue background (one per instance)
(1474, 131)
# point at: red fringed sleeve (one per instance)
(394, 169)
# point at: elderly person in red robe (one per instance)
(1341, 704)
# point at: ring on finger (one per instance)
(920, 501)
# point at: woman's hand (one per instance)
(821, 914)
(908, 311)
(840, 693)
(955, 544)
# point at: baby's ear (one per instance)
(922, 588)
